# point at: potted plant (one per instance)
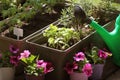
(97, 58)
(8, 61)
(34, 67)
(80, 68)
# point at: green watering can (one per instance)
(112, 39)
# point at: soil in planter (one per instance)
(38, 22)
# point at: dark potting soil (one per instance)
(39, 21)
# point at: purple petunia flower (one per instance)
(102, 54)
(70, 67)
(14, 60)
(87, 69)
(25, 54)
(13, 49)
(79, 56)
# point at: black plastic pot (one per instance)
(59, 57)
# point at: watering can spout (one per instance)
(112, 39)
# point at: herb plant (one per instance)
(61, 38)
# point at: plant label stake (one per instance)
(112, 39)
(18, 32)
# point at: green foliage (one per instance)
(29, 60)
(14, 10)
(103, 11)
(67, 15)
(32, 70)
(30, 64)
(5, 60)
(67, 19)
(61, 38)
(94, 56)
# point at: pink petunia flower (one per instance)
(71, 67)
(102, 54)
(47, 66)
(79, 56)
(41, 64)
(87, 69)
(25, 54)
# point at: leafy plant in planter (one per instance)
(19, 13)
(61, 38)
(68, 20)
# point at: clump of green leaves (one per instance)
(67, 15)
(94, 55)
(61, 38)
(30, 63)
(68, 20)
(17, 13)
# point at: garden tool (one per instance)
(112, 39)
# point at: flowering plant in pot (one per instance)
(8, 61)
(34, 68)
(79, 65)
(97, 58)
